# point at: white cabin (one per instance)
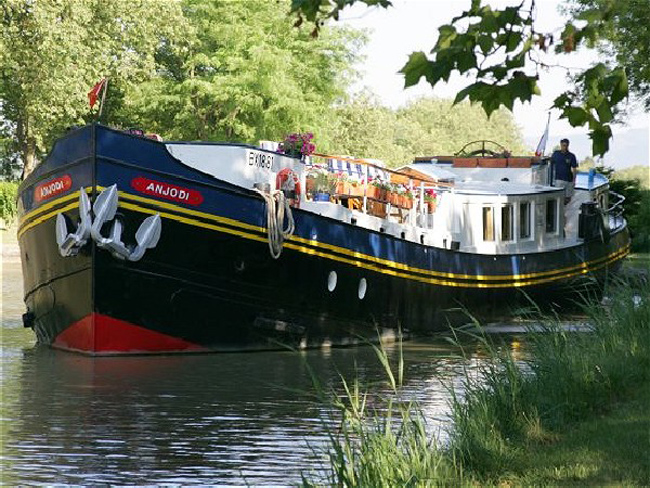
(486, 206)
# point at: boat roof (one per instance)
(585, 182)
(496, 188)
(428, 172)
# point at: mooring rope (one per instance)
(277, 206)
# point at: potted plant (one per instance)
(342, 184)
(385, 190)
(375, 190)
(355, 186)
(408, 199)
(430, 202)
(297, 145)
(393, 195)
(324, 186)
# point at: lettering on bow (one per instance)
(167, 191)
(52, 188)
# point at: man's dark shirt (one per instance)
(563, 162)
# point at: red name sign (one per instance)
(52, 188)
(167, 191)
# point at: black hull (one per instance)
(212, 285)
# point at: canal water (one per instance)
(218, 419)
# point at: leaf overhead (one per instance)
(416, 67)
(501, 48)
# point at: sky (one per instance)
(412, 25)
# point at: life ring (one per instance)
(287, 180)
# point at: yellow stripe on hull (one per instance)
(324, 250)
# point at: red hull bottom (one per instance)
(98, 334)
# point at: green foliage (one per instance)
(631, 190)
(494, 47)
(53, 52)
(501, 48)
(315, 10)
(639, 173)
(195, 69)
(628, 39)
(257, 79)
(513, 404)
(386, 446)
(10, 167)
(425, 127)
(8, 193)
(640, 224)
(567, 377)
(636, 202)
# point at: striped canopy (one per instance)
(356, 169)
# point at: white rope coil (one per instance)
(277, 206)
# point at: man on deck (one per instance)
(564, 168)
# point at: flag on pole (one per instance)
(541, 147)
(93, 94)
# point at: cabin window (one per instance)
(488, 224)
(507, 223)
(551, 216)
(524, 220)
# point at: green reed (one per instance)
(512, 403)
(383, 445)
(566, 376)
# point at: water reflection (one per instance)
(226, 419)
(223, 418)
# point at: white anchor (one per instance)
(70, 243)
(105, 208)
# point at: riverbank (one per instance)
(609, 449)
(574, 410)
(569, 409)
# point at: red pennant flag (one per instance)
(93, 94)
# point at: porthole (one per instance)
(331, 281)
(363, 287)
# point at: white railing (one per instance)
(615, 211)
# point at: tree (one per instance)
(10, 167)
(626, 39)
(245, 74)
(52, 52)
(425, 127)
(444, 127)
(639, 173)
(501, 49)
(364, 128)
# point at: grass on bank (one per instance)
(573, 411)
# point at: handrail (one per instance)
(363, 162)
(619, 202)
(416, 181)
(616, 210)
